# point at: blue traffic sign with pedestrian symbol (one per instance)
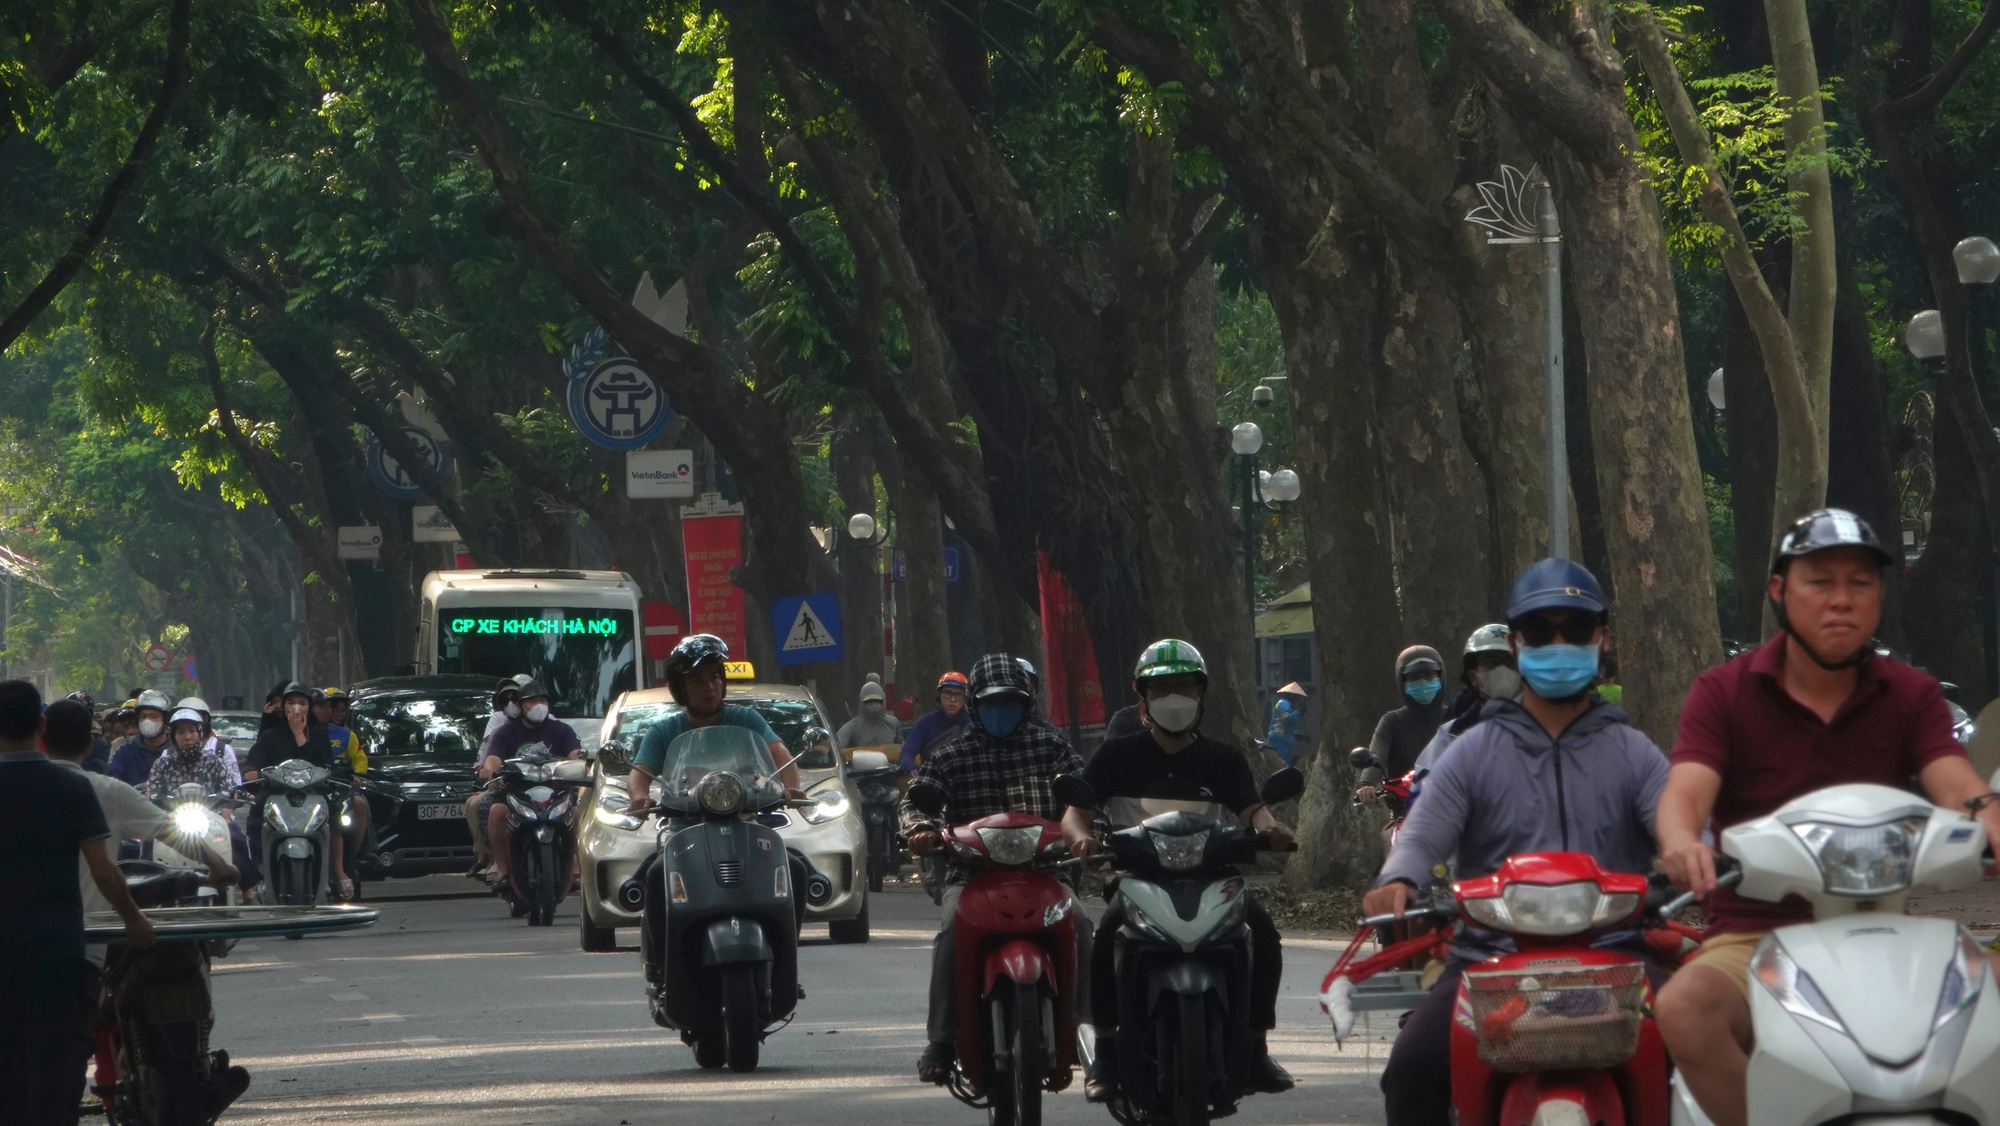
(806, 630)
(613, 401)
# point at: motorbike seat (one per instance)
(164, 888)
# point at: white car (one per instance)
(831, 835)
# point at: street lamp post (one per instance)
(1924, 337)
(1978, 262)
(1245, 439)
(1507, 220)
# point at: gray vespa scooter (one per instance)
(719, 938)
(300, 800)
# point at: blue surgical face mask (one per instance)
(1000, 720)
(1558, 672)
(1422, 691)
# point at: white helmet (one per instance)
(155, 699)
(194, 704)
(1489, 638)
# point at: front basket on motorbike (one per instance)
(1550, 1018)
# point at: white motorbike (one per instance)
(1866, 1015)
(198, 820)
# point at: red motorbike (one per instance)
(1557, 1032)
(1016, 971)
(1395, 794)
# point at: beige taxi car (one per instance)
(830, 834)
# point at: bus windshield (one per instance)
(582, 655)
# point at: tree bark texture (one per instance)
(1753, 442)
(1943, 585)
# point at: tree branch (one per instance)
(1926, 98)
(1548, 85)
(85, 243)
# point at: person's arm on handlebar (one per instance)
(1685, 808)
(1079, 832)
(1429, 835)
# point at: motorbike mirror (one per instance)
(1285, 785)
(868, 760)
(1360, 759)
(815, 749)
(929, 798)
(1071, 789)
(613, 757)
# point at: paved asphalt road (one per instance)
(447, 1012)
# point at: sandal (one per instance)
(343, 890)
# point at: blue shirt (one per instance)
(931, 731)
(653, 749)
(1284, 729)
(132, 762)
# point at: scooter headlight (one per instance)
(1011, 848)
(1139, 921)
(1550, 909)
(1963, 979)
(317, 818)
(1791, 986)
(720, 793)
(1180, 853)
(829, 804)
(274, 816)
(190, 820)
(1865, 861)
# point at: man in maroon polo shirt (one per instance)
(1814, 707)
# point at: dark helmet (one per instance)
(294, 688)
(1554, 584)
(693, 652)
(82, 698)
(507, 689)
(316, 695)
(1824, 530)
(533, 689)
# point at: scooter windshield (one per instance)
(712, 750)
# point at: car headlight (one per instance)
(1792, 987)
(612, 812)
(1963, 979)
(1865, 861)
(1550, 909)
(1179, 854)
(190, 820)
(720, 793)
(1011, 847)
(829, 804)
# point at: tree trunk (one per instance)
(1322, 300)
(1810, 310)
(1753, 442)
(1863, 478)
(1642, 433)
(1943, 585)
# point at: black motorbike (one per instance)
(1183, 960)
(154, 1064)
(719, 937)
(875, 782)
(541, 796)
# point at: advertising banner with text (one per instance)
(714, 546)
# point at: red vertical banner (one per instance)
(714, 546)
(1069, 682)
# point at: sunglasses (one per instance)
(1542, 631)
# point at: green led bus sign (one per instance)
(595, 627)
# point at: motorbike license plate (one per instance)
(438, 812)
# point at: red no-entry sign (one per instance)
(663, 626)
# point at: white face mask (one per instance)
(1500, 683)
(537, 713)
(512, 709)
(151, 728)
(1174, 715)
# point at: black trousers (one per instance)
(1416, 1086)
(1267, 967)
(45, 1043)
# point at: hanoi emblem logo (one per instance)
(613, 401)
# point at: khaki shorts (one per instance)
(1730, 954)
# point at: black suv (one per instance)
(422, 734)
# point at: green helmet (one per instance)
(1168, 657)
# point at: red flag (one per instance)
(1069, 680)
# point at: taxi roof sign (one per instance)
(739, 670)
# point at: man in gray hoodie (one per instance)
(1559, 770)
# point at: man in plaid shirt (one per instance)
(1006, 761)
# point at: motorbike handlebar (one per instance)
(1411, 913)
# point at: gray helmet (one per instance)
(1489, 638)
(155, 699)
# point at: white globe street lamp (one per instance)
(1715, 385)
(1282, 487)
(1924, 335)
(1977, 259)
(1246, 438)
(861, 526)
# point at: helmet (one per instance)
(692, 653)
(1489, 638)
(317, 696)
(186, 715)
(1825, 530)
(954, 680)
(335, 692)
(1554, 584)
(294, 688)
(193, 704)
(506, 690)
(155, 699)
(533, 689)
(1034, 677)
(1418, 658)
(1168, 657)
(82, 698)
